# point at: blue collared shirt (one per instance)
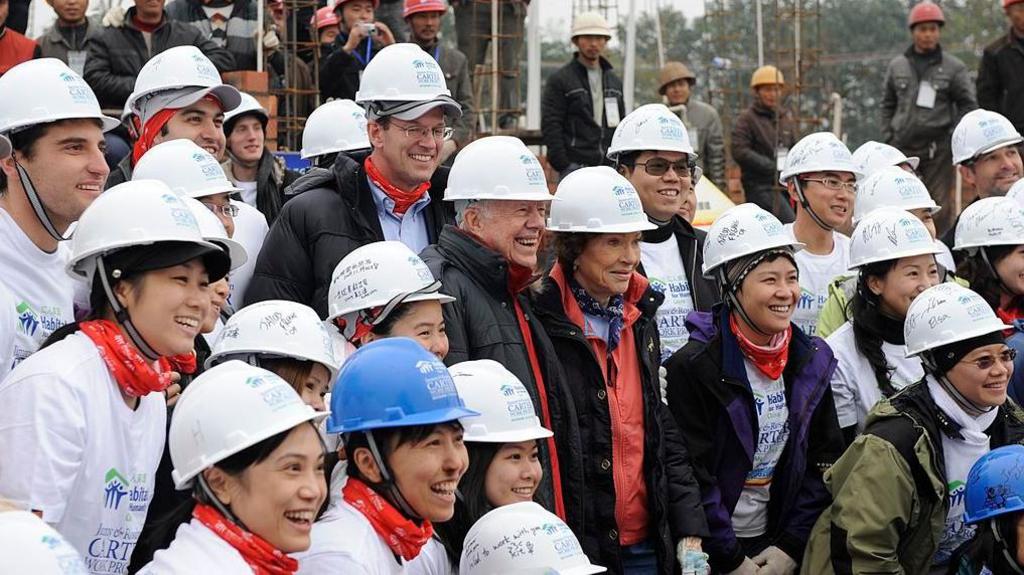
(410, 228)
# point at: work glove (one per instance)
(692, 559)
(114, 18)
(271, 41)
(663, 382)
(774, 561)
(748, 567)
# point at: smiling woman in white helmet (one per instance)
(86, 426)
(898, 491)
(247, 449)
(748, 383)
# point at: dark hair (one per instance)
(294, 371)
(388, 440)
(24, 141)
(385, 327)
(982, 277)
(568, 247)
(863, 311)
(628, 159)
(99, 306)
(982, 549)
(229, 125)
(473, 504)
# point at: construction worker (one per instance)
(761, 139)
(45, 185)
(675, 84)
(361, 39)
(821, 178)
(926, 93)
(986, 151)
(390, 193)
(1000, 88)
(582, 102)
(15, 48)
(424, 19)
(652, 150)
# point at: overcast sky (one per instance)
(556, 14)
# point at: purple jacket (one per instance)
(710, 397)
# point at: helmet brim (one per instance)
(433, 417)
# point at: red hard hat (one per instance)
(336, 4)
(323, 18)
(926, 12)
(416, 6)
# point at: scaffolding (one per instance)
(294, 81)
(607, 8)
(496, 27)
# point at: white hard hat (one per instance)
(497, 168)
(178, 68)
(213, 230)
(380, 274)
(945, 314)
(29, 545)
(818, 152)
(247, 105)
(277, 329)
(889, 234)
(1015, 192)
(521, 539)
(591, 24)
(46, 90)
(872, 156)
(891, 187)
(507, 414)
(337, 126)
(980, 132)
(228, 408)
(597, 200)
(5, 147)
(404, 81)
(651, 127)
(140, 212)
(743, 230)
(995, 221)
(186, 168)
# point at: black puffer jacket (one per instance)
(482, 324)
(330, 214)
(117, 54)
(673, 495)
(567, 116)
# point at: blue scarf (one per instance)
(613, 313)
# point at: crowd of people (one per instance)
(414, 358)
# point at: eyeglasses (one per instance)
(986, 362)
(226, 210)
(419, 132)
(659, 166)
(835, 184)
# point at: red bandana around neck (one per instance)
(133, 373)
(1014, 310)
(771, 359)
(264, 558)
(401, 534)
(403, 199)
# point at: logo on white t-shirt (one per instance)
(28, 320)
(116, 487)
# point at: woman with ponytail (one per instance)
(750, 393)
(247, 447)
(895, 257)
(85, 417)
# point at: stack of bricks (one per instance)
(257, 85)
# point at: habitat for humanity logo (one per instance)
(28, 319)
(115, 490)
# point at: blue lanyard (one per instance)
(369, 53)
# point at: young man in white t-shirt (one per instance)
(52, 170)
(821, 178)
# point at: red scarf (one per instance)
(264, 558)
(401, 198)
(1011, 312)
(149, 132)
(402, 535)
(770, 359)
(133, 373)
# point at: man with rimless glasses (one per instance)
(651, 148)
(392, 192)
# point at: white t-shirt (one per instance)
(432, 560)
(663, 265)
(816, 272)
(345, 542)
(196, 549)
(43, 292)
(750, 517)
(960, 456)
(854, 387)
(250, 230)
(248, 192)
(8, 317)
(74, 450)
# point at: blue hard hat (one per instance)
(393, 382)
(995, 485)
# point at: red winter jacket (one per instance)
(15, 49)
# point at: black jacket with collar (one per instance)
(330, 213)
(1000, 82)
(703, 290)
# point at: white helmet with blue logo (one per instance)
(945, 314)
(497, 168)
(889, 234)
(507, 414)
(651, 127)
(404, 81)
(46, 90)
(597, 200)
(186, 168)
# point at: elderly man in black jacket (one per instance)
(390, 193)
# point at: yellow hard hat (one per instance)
(766, 75)
(672, 72)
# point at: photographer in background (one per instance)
(360, 39)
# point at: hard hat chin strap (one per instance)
(391, 489)
(37, 203)
(121, 314)
(807, 206)
(1004, 548)
(733, 302)
(223, 509)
